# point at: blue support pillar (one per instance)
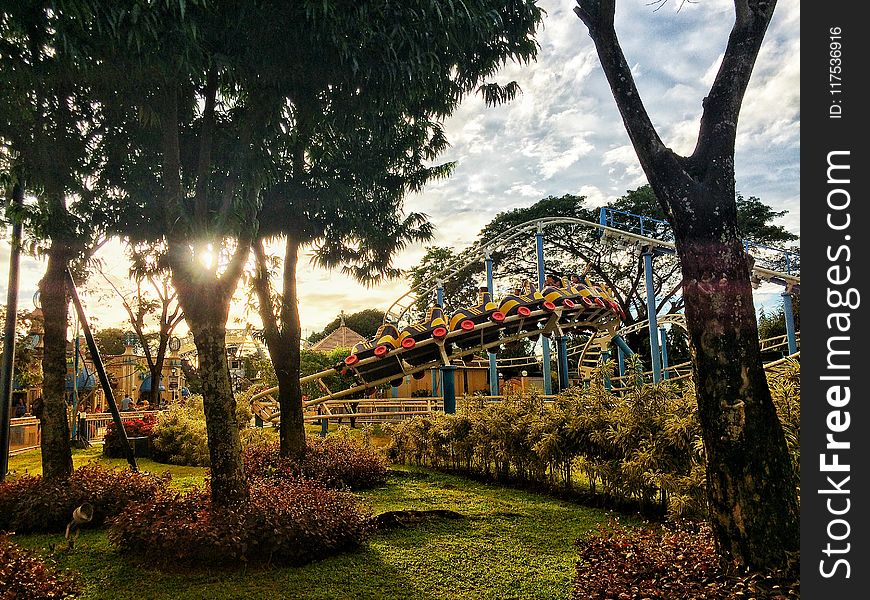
(651, 315)
(439, 299)
(620, 361)
(562, 349)
(626, 351)
(545, 343)
(788, 310)
(605, 356)
(448, 380)
(493, 366)
(663, 338)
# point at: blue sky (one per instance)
(564, 135)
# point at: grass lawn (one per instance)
(514, 544)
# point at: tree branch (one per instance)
(172, 196)
(206, 136)
(718, 130)
(263, 289)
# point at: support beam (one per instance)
(655, 358)
(605, 356)
(545, 343)
(562, 349)
(448, 380)
(620, 361)
(101, 372)
(663, 338)
(493, 365)
(788, 310)
(6, 371)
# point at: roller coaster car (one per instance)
(606, 295)
(568, 298)
(594, 296)
(524, 305)
(433, 326)
(385, 340)
(466, 319)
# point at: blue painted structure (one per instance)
(663, 337)
(788, 311)
(655, 357)
(545, 343)
(493, 365)
(448, 380)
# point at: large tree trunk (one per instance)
(752, 487)
(55, 432)
(751, 482)
(283, 337)
(207, 309)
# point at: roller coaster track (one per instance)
(602, 324)
(475, 253)
(594, 319)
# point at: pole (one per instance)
(620, 360)
(564, 380)
(651, 315)
(605, 356)
(545, 343)
(6, 371)
(493, 365)
(101, 372)
(75, 385)
(788, 310)
(663, 336)
(448, 380)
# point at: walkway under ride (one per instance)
(439, 341)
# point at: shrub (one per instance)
(667, 563)
(644, 446)
(180, 437)
(284, 522)
(336, 462)
(24, 575)
(113, 447)
(31, 503)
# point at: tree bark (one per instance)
(55, 432)
(206, 306)
(751, 485)
(283, 336)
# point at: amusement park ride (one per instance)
(549, 312)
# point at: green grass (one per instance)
(30, 463)
(514, 544)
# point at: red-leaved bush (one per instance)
(112, 445)
(286, 522)
(23, 575)
(678, 563)
(31, 503)
(336, 462)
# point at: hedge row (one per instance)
(642, 446)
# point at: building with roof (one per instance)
(343, 337)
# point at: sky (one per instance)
(564, 135)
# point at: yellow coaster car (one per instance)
(385, 340)
(434, 326)
(469, 320)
